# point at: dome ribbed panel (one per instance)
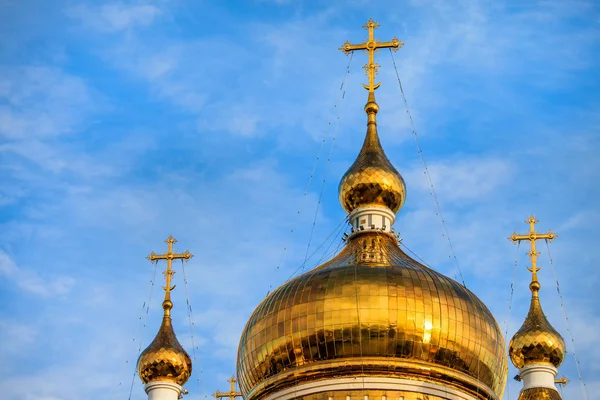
(412, 319)
(537, 340)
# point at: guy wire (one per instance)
(146, 305)
(510, 298)
(334, 233)
(564, 309)
(192, 331)
(335, 131)
(281, 258)
(438, 208)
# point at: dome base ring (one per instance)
(373, 368)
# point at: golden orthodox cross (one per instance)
(533, 236)
(169, 256)
(371, 46)
(232, 394)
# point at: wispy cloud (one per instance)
(41, 102)
(29, 281)
(124, 122)
(115, 17)
(463, 179)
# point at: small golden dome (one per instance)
(536, 341)
(372, 311)
(372, 180)
(165, 359)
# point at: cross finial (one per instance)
(232, 394)
(371, 46)
(533, 236)
(169, 256)
(232, 380)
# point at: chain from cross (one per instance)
(169, 256)
(232, 394)
(371, 46)
(533, 236)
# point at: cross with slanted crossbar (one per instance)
(169, 256)
(371, 46)
(532, 237)
(232, 394)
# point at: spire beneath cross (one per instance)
(232, 394)
(169, 256)
(533, 236)
(371, 46)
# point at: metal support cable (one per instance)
(327, 253)
(510, 298)
(335, 131)
(414, 254)
(438, 211)
(312, 174)
(145, 311)
(562, 304)
(512, 287)
(332, 233)
(192, 331)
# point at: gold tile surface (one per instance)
(372, 310)
(372, 179)
(539, 394)
(536, 340)
(165, 359)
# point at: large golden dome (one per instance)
(536, 341)
(372, 321)
(372, 310)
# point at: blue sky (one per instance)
(124, 122)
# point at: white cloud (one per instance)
(44, 118)
(272, 80)
(206, 219)
(33, 283)
(41, 102)
(224, 97)
(30, 281)
(115, 17)
(238, 120)
(460, 179)
(7, 265)
(225, 332)
(18, 335)
(583, 219)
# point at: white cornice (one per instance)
(370, 383)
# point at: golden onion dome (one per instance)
(372, 180)
(372, 311)
(536, 341)
(165, 359)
